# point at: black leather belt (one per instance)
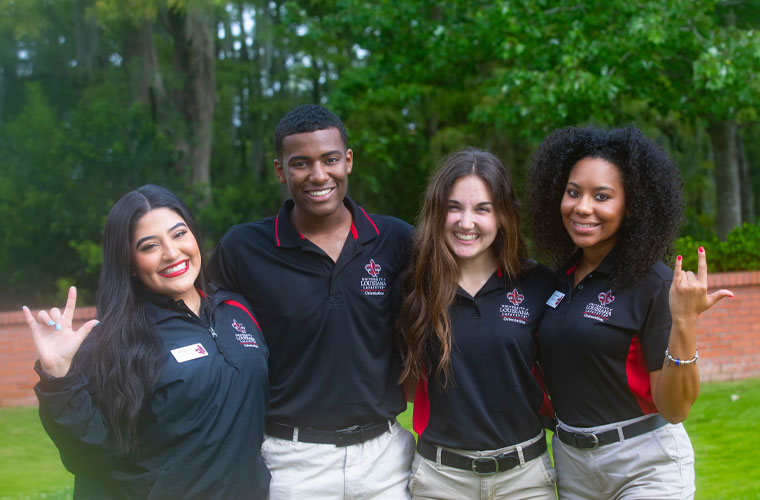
(482, 466)
(342, 437)
(587, 440)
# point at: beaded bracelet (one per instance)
(679, 361)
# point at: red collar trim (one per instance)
(276, 232)
(370, 220)
(572, 269)
(353, 231)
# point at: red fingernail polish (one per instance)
(678, 258)
(701, 249)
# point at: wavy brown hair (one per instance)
(433, 275)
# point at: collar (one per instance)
(363, 228)
(496, 281)
(163, 306)
(606, 266)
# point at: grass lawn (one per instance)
(722, 427)
(30, 467)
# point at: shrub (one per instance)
(740, 251)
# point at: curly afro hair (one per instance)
(652, 184)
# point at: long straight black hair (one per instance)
(127, 356)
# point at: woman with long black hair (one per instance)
(473, 304)
(167, 397)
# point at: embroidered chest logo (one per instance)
(245, 339)
(515, 297)
(374, 284)
(513, 311)
(600, 311)
(372, 268)
(606, 297)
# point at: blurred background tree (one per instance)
(100, 96)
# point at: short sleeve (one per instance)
(655, 332)
(220, 268)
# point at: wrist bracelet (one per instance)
(679, 361)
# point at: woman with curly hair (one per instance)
(473, 305)
(618, 342)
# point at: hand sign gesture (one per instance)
(688, 293)
(54, 338)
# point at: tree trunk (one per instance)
(202, 81)
(727, 190)
(194, 58)
(86, 36)
(747, 193)
(2, 94)
(144, 74)
(252, 110)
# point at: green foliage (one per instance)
(236, 203)
(739, 252)
(60, 178)
(94, 101)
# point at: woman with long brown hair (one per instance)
(473, 303)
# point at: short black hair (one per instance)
(307, 118)
(652, 185)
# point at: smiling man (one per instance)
(320, 276)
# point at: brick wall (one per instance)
(728, 337)
(17, 356)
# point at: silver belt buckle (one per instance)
(596, 440)
(485, 460)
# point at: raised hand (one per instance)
(54, 338)
(688, 293)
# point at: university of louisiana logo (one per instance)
(515, 297)
(245, 339)
(600, 311)
(606, 297)
(372, 268)
(238, 326)
(375, 284)
(513, 311)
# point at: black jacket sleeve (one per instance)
(73, 421)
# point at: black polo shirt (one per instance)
(598, 345)
(493, 399)
(329, 326)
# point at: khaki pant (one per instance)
(657, 464)
(533, 480)
(377, 469)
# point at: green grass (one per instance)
(722, 429)
(30, 467)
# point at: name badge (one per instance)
(195, 351)
(555, 299)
